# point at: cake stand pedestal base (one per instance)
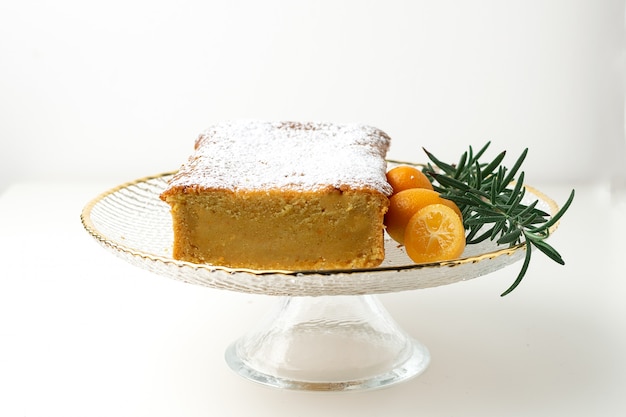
(328, 343)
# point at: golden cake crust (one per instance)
(257, 155)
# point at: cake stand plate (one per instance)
(328, 332)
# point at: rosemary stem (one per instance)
(491, 197)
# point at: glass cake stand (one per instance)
(328, 332)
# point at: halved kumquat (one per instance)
(435, 233)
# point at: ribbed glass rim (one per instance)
(92, 229)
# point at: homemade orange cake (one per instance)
(282, 195)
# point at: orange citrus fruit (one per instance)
(434, 233)
(403, 205)
(404, 177)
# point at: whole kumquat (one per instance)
(404, 177)
(403, 205)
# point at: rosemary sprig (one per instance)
(490, 197)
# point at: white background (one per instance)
(119, 89)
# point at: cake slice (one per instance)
(282, 196)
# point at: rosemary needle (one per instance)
(490, 197)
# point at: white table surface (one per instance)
(82, 333)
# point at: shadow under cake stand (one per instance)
(328, 332)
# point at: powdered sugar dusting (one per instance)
(257, 155)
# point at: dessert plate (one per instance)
(132, 222)
(329, 332)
